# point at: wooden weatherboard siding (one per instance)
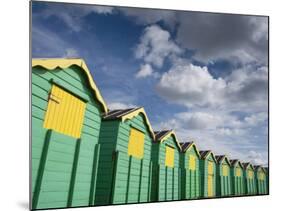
(250, 181)
(63, 167)
(208, 179)
(260, 175)
(190, 185)
(165, 179)
(237, 179)
(123, 178)
(223, 178)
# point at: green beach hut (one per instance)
(267, 179)
(124, 173)
(237, 178)
(190, 158)
(166, 174)
(260, 175)
(208, 174)
(250, 180)
(66, 117)
(223, 176)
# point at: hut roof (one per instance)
(161, 136)
(204, 154)
(220, 159)
(185, 146)
(246, 165)
(256, 167)
(124, 114)
(235, 162)
(63, 63)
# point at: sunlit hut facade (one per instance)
(223, 176)
(66, 117)
(190, 179)
(208, 174)
(125, 167)
(260, 175)
(249, 178)
(166, 166)
(237, 178)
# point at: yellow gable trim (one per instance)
(51, 64)
(196, 150)
(168, 135)
(134, 114)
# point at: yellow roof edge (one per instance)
(196, 149)
(137, 112)
(53, 63)
(167, 135)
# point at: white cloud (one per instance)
(145, 70)
(119, 105)
(155, 46)
(71, 53)
(73, 15)
(194, 86)
(255, 119)
(150, 16)
(199, 120)
(191, 86)
(257, 158)
(102, 9)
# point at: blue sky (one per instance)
(204, 75)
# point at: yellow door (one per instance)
(210, 185)
(65, 112)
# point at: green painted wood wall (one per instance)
(123, 178)
(63, 168)
(237, 182)
(250, 184)
(190, 184)
(166, 180)
(204, 176)
(223, 183)
(261, 183)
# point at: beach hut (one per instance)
(223, 176)
(237, 179)
(267, 179)
(124, 173)
(190, 158)
(208, 174)
(249, 179)
(66, 117)
(260, 175)
(166, 166)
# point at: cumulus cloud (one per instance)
(150, 16)
(257, 158)
(191, 86)
(119, 105)
(155, 46)
(102, 9)
(232, 37)
(194, 86)
(144, 71)
(71, 53)
(72, 14)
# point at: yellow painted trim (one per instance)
(51, 64)
(134, 114)
(171, 133)
(196, 149)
